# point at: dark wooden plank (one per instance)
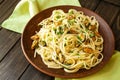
(116, 31)
(14, 64)
(7, 41)
(0, 27)
(90, 4)
(1, 1)
(32, 74)
(6, 4)
(116, 2)
(110, 13)
(6, 8)
(107, 11)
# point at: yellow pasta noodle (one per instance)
(69, 40)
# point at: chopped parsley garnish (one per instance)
(92, 35)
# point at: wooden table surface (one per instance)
(13, 64)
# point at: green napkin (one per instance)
(111, 71)
(27, 9)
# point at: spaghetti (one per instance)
(69, 40)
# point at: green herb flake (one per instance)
(43, 43)
(60, 30)
(86, 30)
(70, 51)
(55, 30)
(59, 33)
(71, 12)
(65, 38)
(77, 54)
(92, 35)
(58, 17)
(82, 31)
(79, 38)
(71, 22)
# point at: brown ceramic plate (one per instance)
(31, 27)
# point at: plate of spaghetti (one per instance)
(67, 42)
